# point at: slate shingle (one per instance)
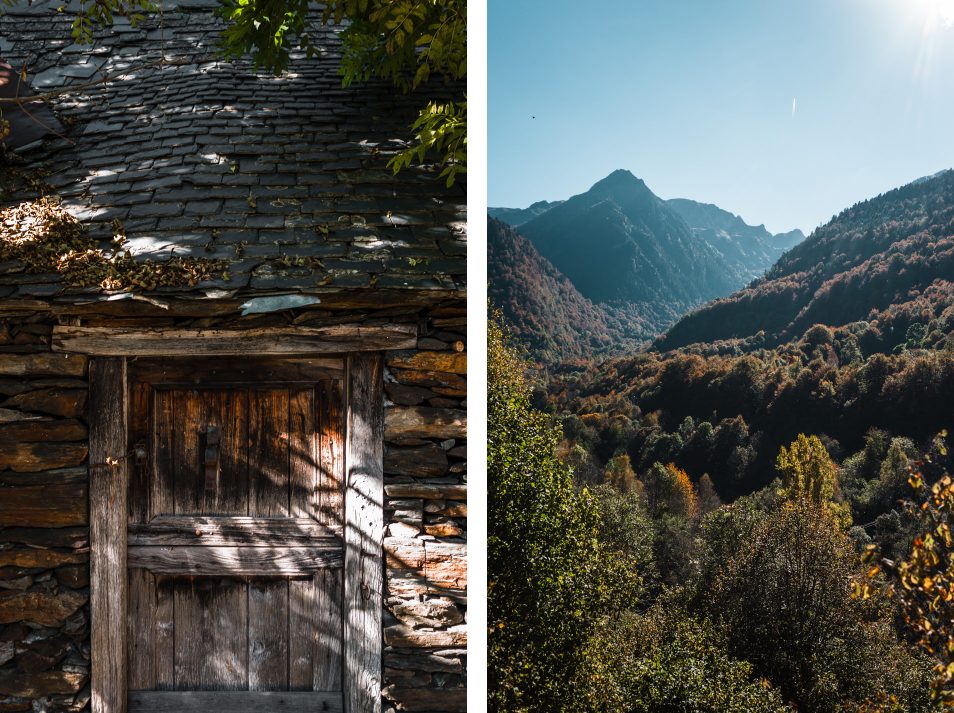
(197, 149)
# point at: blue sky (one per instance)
(696, 98)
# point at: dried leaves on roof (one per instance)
(45, 238)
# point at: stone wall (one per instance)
(44, 547)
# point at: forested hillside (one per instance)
(775, 473)
(888, 262)
(654, 586)
(621, 256)
(546, 312)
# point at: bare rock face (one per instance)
(429, 613)
(7, 652)
(33, 685)
(40, 608)
(421, 461)
(67, 403)
(43, 364)
(449, 700)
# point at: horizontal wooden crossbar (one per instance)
(270, 341)
(234, 701)
(177, 530)
(198, 561)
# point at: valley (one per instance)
(753, 424)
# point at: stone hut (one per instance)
(232, 383)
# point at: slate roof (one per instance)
(207, 158)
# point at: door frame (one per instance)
(363, 585)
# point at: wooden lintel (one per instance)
(335, 339)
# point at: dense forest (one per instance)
(546, 312)
(888, 260)
(753, 515)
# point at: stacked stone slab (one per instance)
(44, 553)
(285, 179)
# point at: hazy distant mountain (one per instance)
(620, 244)
(518, 216)
(886, 263)
(748, 250)
(545, 310)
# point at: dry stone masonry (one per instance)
(283, 179)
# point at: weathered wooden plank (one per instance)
(209, 372)
(165, 634)
(188, 420)
(232, 531)
(53, 505)
(235, 561)
(139, 443)
(211, 647)
(232, 701)
(425, 422)
(342, 338)
(268, 635)
(109, 475)
(329, 633)
(302, 454)
(141, 630)
(331, 475)
(189, 633)
(268, 439)
(302, 633)
(364, 515)
(162, 456)
(228, 411)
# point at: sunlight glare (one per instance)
(935, 13)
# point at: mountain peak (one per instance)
(622, 186)
(619, 177)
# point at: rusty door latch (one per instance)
(211, 459)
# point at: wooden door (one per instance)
(235, 552)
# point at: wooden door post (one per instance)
(364, 535)
(108, 479)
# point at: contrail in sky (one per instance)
(793, 106)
